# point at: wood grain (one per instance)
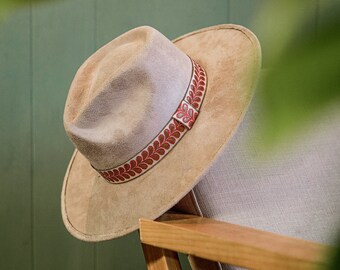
(158, 258)
(15, 138)
(198, 263)
(232, 244)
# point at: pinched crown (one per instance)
(124, 95)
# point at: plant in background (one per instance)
(304, 71)
(6, 6)
(304, 67)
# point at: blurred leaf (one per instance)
(6, 6)
(276, 23)
(304, 79)
(304, 74)
(334, 263)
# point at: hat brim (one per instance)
(95, 210)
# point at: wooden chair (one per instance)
(223, 242)
(286, 208)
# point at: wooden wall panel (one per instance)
(244, 12)
(62, 38)
(15, 138)
(172, 18)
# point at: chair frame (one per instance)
(223, 242)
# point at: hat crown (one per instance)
(124, 94)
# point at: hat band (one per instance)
(181, 121)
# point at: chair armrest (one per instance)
(229, 243)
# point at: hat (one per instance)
(148, 116)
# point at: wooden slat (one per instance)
(188, 205)
(63, 37)
(15, 138)
(233, 244)
(198, 263)
(160, 259)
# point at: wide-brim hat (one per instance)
(130, 96)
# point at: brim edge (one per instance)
(104, 237)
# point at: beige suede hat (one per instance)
(148, 117)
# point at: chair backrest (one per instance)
(212, 241)
(294, 193)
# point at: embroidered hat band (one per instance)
(181, 121)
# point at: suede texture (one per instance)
(95, 210)
(123, 96)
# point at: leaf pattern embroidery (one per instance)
(186, 114)
(197, 86)
(148, 156)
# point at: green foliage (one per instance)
(6, 6)
(304, 71)
(334, 262)
(305, 74)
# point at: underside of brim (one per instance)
(95, 210)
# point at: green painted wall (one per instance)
(41, 47)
